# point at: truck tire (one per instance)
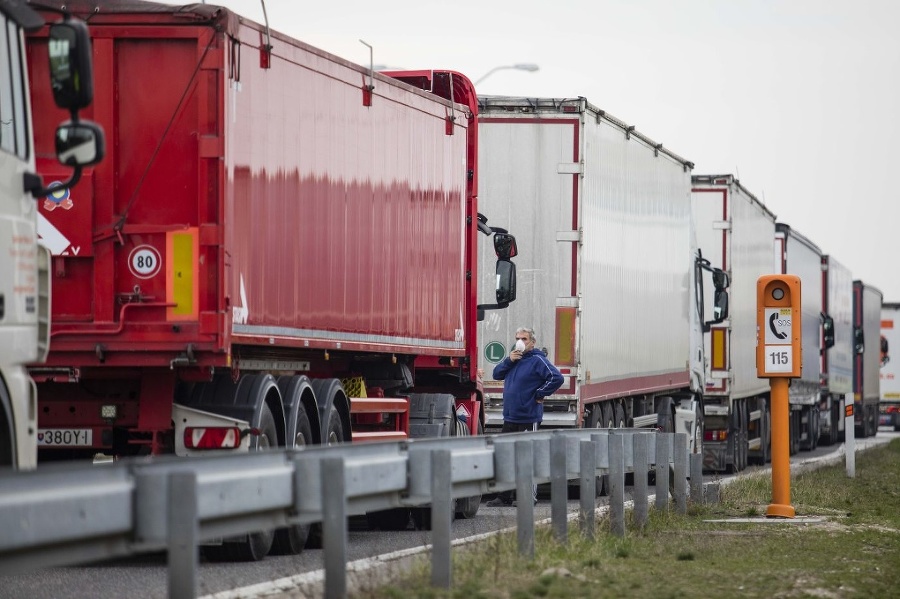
(292, 539)
(255, 546)
(431, 413)
(467, 507)
(334, 433)
(595, 420)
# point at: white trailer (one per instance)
(867, 301)
(795, 254)
(837, 359)
(732, 224)
(889, 406)
(606, 266)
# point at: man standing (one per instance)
(528, 377)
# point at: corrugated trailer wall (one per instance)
(804, 259)
(736, 231)
(840, 308)
(603, 222)
(278, 200)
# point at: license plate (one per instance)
(65, 437)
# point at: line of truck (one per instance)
(284, 248)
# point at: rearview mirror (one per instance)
(720, 279)
(859, 340)
(79, 144)
(505, 246)
(828, 331)
(506, 282)
(720, 309)
(71, 76)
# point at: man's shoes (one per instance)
(499, 502)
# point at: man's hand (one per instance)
(515, 355)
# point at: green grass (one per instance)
(854, 552)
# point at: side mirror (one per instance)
(859, 341)
(720, 280)
(79, 144)
(720, 310)
(828, 331)
(506, 282)
(885, 358)
(505, 246)
(71, 72)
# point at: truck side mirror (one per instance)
(720, 279)
(506, 282)
(828, 331)
(79, 144)
(71, 72)
(720, 309)
(505, 246)
(859, 340)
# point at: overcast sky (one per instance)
(799, 98)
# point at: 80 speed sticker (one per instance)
(144, 261)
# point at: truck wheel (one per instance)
(467, 507)
(291, 540)
(334, 434)
(254, 546)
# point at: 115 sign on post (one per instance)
(778, 348)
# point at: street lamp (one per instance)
(530, 67)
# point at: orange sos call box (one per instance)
(778, 328)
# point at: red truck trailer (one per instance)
(280, 248)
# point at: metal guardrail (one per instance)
(65, 514)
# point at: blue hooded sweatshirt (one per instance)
(526, 381)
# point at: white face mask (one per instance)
(520, 345)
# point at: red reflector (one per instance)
(212, 437)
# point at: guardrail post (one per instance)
(588, 487)
(334, 527)
(663, 460)
(697, 477)
(524, 495)
(558, 486)
(617, 484)
(681, 471)
(641, 470)
(441, 500)
(183, 534)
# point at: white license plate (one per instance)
(65, 437)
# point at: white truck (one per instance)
(795, 254)
(610, 275)
(867, 301)
(24, 261)
(732, 223)
(889, 407)
(837, 357)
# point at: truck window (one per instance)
(13, 122)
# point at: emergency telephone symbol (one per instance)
(776, 332)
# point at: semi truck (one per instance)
(733, 224)
(610, 280)
(795, 254)
(889, 385)
(24, 260)
(867, 302)
(837, 357)
(279, 250)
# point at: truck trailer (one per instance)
(280, 249)
(867, 302)
(889, 407)
(609, 277)
(837, 357)
(734, 226)
(24, 260)
(795, 254)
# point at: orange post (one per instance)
(779, 356)
(781, 452)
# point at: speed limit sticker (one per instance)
(144, 261)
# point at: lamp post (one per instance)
(530, 67)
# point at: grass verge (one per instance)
(853, 552)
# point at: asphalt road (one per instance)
(146, 576)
